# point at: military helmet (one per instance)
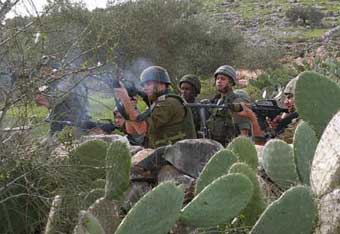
(193, 80)
(227, 71)
(155, 73)
(243, 95)
(290, 87)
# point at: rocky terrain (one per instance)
(266, 23)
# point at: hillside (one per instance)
(266, 22)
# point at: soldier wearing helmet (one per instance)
(190, 87)
(284, 125)
(65, 97)
(167, 120)
(224, 124)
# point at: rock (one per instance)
(169, 172)
(107, 213)
(190, 156)
(103, 137)
(329, 213)
(134, 193)
(325, 171)
(149, 159)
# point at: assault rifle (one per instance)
(106, 126)
(132, 91)
(262, 109)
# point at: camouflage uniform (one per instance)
(288, 134)
(224, 124)
(169, 121)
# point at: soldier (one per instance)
(284, 125)
(65, 99)
(190, 87)
(225, 124)
(167, 120)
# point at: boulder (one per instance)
(104, 137)
(190, 156)
(325, 171)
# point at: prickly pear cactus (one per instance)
(256, 205)
(118, 164)
(245, 150)
(107, 214)
(217, 166)
(88, 224)
(154, 213)
(293, 213)
(279, 163)
(325, 172)
(304, 144)
(219, 202)
(89, 158)
(315, 92)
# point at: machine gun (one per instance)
(263, 109)
(107, 126)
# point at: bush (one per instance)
(308, 15)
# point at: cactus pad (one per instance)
(256, 205)
(279, 164)
(293, 213)
(88, 224)
(89, 157)
(305, 143)
(325, 172)
(245, 150)
(219, 202)
(217, 166)
(154, 213)
(315, 92)
(118, 164)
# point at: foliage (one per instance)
(308, 15)
(270, 80)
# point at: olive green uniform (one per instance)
(169, 122)
(223, 124)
